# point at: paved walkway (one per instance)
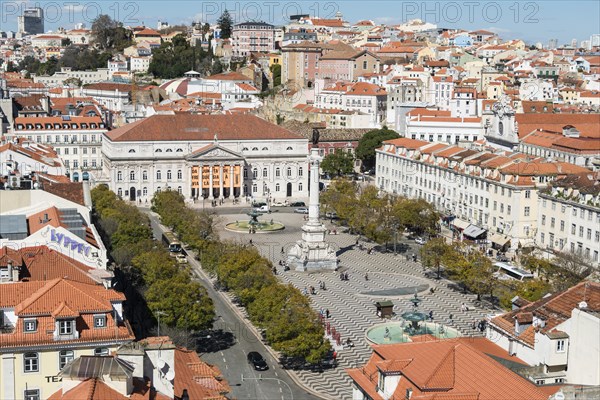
(351, 302)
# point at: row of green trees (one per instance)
(378, 216)
(475, 272)
(151, 276)
(292, 326)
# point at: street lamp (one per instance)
(158, 314)
(395, 227)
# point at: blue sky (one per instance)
(532, 21)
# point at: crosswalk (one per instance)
(352, 304)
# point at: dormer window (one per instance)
(560, 346)
(65, 327)
(30, 325)
(100, 321)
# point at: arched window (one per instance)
(179, 174)
(289, 172)
(179, 190)
(254, 188)
(255, 173)
(158, 189)
(255, 149)
(132, 175)
(300, 171)
(145, 191)
(245, 149)
(277, 187)
(245, 172)
(300, 186)
(145, 175)
(289, 148)
(277, 172)
(179, 151)
(158, 175)
(131, 150)
(265, 172)
(119, 192)
(265, 149)
(119, 175)
(158, 151)
(169, 175)
(169, 150)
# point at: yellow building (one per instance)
(274, 58)
(47, 324)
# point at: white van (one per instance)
(264, 209)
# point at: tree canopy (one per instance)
(109, 34)
(370, 142)
(338, 163)
(173, 59)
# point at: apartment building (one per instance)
(362, 97)
(558, 335)
(48, 323)
(250, 37)
(569, 217)
(76, 139)
(497, 193)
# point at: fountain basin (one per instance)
(261, 227)
(398, 334)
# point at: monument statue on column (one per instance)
(312, 253)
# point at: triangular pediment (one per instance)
(214, 152)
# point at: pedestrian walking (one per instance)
(327, 313)
(366, 277)
(431, 315)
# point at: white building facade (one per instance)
(206, 157)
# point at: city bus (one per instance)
(508, 271)
(172, 243)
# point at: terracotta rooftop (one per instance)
(229, 76)
(455, 369)
(72, 191)
(43, 299)
(186, 127)
(553, 310)
(587, 124)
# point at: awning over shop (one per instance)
(473, 231)
(499, 239)
(460, 224)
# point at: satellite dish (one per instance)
(583, 305)
(170, 375)
(161, 363)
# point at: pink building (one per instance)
(253, 37)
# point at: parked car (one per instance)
(181, 259)
(331, 215)
(257, 204)
(279, 204)
(298, 204)
(257, 361)
(301, 210)
(420, 241)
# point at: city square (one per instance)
(352, 303)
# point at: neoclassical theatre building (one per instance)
(205, 156)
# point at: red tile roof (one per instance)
(452, 369)
(186, 127)
(553, 310)
(43, 299)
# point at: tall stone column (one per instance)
(312, 253)
(201, 182)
